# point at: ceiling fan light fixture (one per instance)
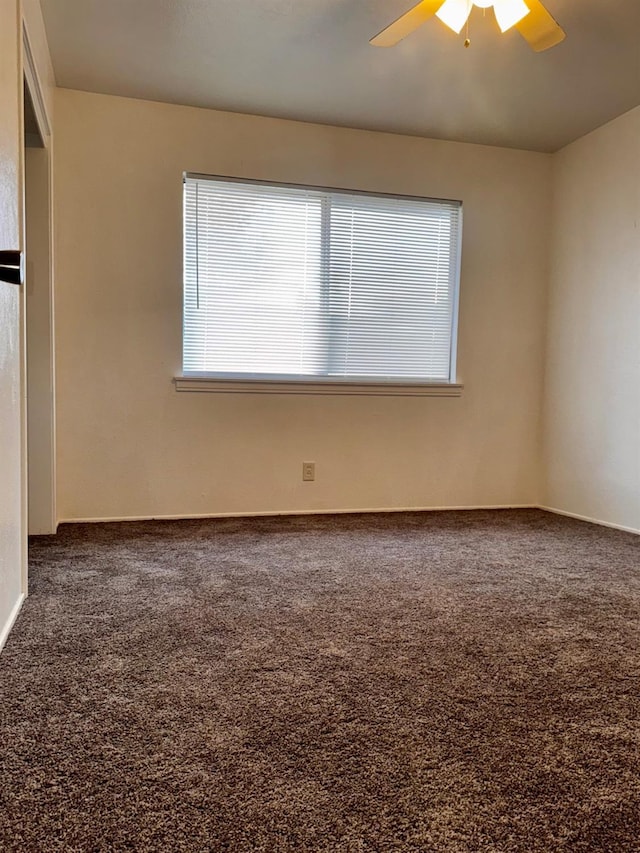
(509, 13)
(535, 24)
(454, 13)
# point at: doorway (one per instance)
(40, 365)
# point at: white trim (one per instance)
(268, 386)
(590, 520)
(351, 511)
(23, 47)
(292, 512)
(6, 630)
(33, 83)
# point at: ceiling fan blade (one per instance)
(540, 28)
(406, 23)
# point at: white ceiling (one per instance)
(310, 60)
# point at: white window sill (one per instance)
(217, 385)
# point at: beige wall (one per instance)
(129, 445)
(592, 414)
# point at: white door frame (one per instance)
(34, 86)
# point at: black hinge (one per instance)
(11, 266)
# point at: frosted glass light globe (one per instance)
(454, 13)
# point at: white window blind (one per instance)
(299, 283)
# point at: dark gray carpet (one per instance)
(444, 682)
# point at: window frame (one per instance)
(331, 385)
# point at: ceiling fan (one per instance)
(529, 17)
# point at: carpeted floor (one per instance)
(444, 682)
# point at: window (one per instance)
(294, 283)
